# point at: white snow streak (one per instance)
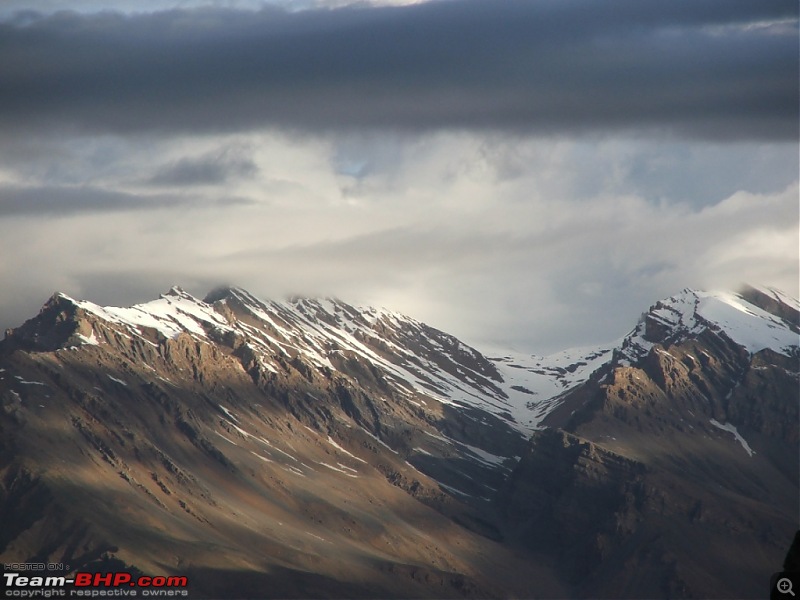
(732, 429)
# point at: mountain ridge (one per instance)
(296, 427)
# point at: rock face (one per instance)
(313, 449)
(675, 473)
(321, 450)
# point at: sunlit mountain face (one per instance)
(311, 448)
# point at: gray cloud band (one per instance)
(709, 69)
(64, 201)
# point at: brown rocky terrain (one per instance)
(312, 449)
(194, 455)
(676, 475)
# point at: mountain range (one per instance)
(308, 448)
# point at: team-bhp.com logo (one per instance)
(94, 585)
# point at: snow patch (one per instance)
(257, 455)
(92, 340)
(324, 464)
(746, 324)
(732, 429)
(350, 454)
(227, 439)
(24, 382)
(228, 412)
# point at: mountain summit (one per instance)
(317, 449)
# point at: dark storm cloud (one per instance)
(65, 201)
(709, 68)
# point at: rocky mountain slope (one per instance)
(309, 448)
(687, 443)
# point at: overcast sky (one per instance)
(531, 173)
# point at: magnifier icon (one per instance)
(784, 586)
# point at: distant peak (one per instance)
(775, 302)
(58, 300)
(175, 290)
(226, 292)
(58, 296)
(754, 319)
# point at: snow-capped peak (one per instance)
(422, 363)
(173, 313)
(691, 312)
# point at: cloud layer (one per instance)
(698, 67)
(503, 240)
(525, 172)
